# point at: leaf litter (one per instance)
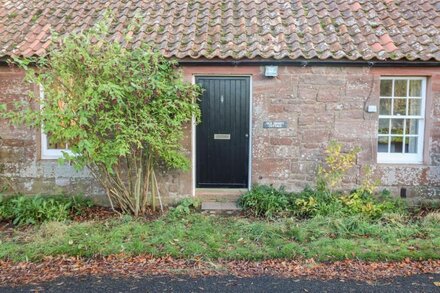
(125, 266)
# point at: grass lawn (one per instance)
(198, 236)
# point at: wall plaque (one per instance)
(275, 124)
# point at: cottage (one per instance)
(282, 78)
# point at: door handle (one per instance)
(246, 135)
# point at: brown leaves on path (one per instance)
(137, 266)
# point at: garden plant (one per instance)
(324, 199)
(120, 108)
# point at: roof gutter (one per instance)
(304, 63)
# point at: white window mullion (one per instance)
(389, 129)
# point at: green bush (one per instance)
(185, 206)
(122, 111)
(25, 210)
(267, 201)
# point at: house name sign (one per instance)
(275, 124)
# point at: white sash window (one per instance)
(401, 120)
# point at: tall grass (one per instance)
(213, 237)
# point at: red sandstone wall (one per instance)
(323, 103)
(319, 104)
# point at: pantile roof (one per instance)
(239, 29)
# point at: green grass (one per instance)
(214, 237)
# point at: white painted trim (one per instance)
(250, 133)
(193, 128)
(193, 149)
(50, 154)
(405, 158)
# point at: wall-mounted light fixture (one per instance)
(271, 71)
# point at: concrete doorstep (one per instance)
(220, 206)
(219, 200)
(215, 207)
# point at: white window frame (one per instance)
(406, 158)
(46, 153)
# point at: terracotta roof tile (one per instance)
(322, 29)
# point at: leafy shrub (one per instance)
(337, 164)
(265, 201)
(122, 111)
(310, 203)
(25, 210)
(313, 203)
(185, 206)
(366, 204)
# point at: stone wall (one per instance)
(324, 103)
(318, 103)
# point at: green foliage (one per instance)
(337, 163)
(120, 110)
(265, 201)
(25, 210)
(209, 237)
(105, 99)
(354, 203)
(185, 206)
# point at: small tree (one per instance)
(336, 167)
(121, 111)
(337, 164)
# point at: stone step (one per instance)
(219, 194)
(220, 206)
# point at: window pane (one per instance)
(382, 146)
(411, 145)
(414, 107)
(400, 88)
(386, 87)
(385, 107)
(384, 126)
(415, 88)
(396, 126)
(399, 107)
(412, 126)
(396, 144)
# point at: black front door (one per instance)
(222, 138)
